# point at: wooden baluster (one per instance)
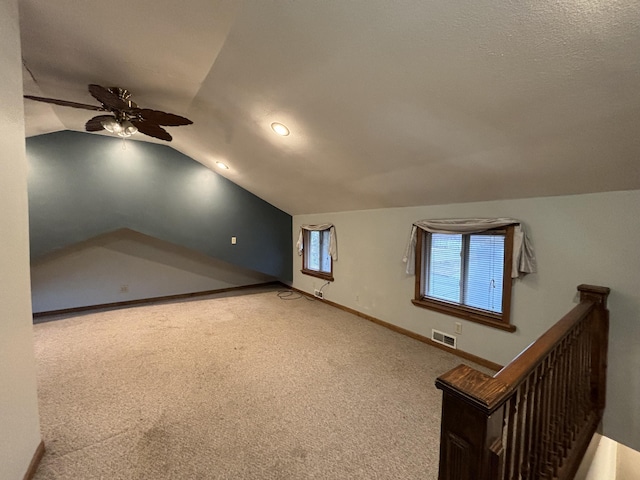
(539, 431)
(560, 388)
(573, 372)
(536, 438)
(530, 438)
(585, 368)
(579, 380)
(521, 431)
(553, 459)
(585, 373)
(526, 427)
(510, 422)
(535, 412)
(548, 446)
(574, 404)
(575, 361)
(545, 421)
(566, 424)
(565, 404)
(580, 349)
(543, 467)
(561, 407)
(570, 394)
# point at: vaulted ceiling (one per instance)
(389, 103)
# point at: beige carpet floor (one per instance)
(245, 386)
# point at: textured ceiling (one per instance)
(410, 102)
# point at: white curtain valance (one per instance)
(524, 260)
(333, 246)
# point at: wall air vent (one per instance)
(443, 338)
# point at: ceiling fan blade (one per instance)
(152, 130)
(95, 124)
(107, 98)
(163, 118)
(65, 103)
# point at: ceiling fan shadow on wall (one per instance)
(126, 117)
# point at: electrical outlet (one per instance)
(318, 293)
(233, 240)
(124, 288)
(458, 328)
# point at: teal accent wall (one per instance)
(82, 185)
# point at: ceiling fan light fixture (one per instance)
(128, 129)
(111, 125)
(280, 129)
(123, 129)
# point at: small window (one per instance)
(316, 258)
(466, 275)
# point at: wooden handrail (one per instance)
(529, 420)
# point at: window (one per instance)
(466, 275)
(316, 258)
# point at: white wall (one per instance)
(628, 464)
(94, 272)
(591, 239)
(19, 424)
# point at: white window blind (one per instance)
(444, 267)
(465, 269)
(484, 272)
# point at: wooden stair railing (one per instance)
(535, 417)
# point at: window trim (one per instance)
(314, 273)
(497, 320)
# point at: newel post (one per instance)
(471, 430)
(599, 317)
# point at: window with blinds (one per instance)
(317, 258)
(464, 275)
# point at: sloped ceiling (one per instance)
(410, 102)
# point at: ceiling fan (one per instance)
(126, 117)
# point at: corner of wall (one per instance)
(19, 422)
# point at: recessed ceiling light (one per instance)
(221, 166)
(280, 129)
